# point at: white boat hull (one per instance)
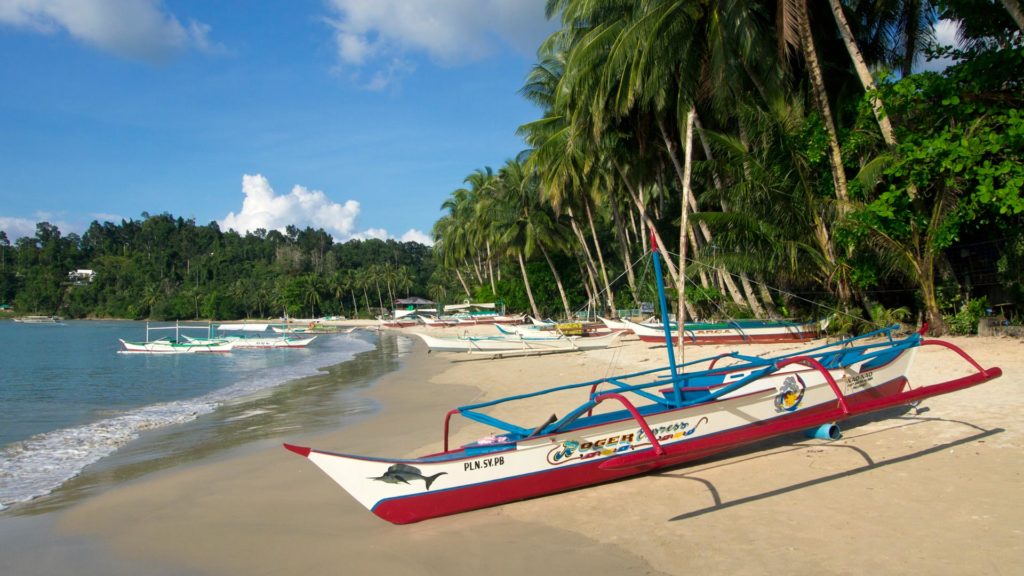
(517, 344)
(726, 334)
(169, 347)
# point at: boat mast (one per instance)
(664, 307)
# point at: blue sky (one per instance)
(357, 116)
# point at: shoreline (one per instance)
(235, 422)
(908, 488)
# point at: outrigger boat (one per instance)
(247, 341)
(39, 319)
(732, 332)
(517, 343)
(174, 345)
(666, 417)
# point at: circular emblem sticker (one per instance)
(790, 394)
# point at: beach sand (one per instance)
(934, 491)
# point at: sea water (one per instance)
(68, 399)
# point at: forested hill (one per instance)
(164, 268)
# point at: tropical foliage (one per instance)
(784, 152)
(162, 267)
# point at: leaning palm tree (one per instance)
(778, 223)
(506, 207)
(795, 34)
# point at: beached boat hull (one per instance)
(800, 394)
(516, 344)
(312, 330)
(726, 333)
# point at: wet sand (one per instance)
(931, 491)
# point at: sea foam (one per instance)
(40, 464)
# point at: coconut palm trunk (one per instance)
(558, 281)
(647, 223)
(588, 260)
(1013, 7)
(684, 222)
(462, 281)
(817, 79)
(621, 232)
(608, 293)
(866, 80)
(526, 283)
(490, 268)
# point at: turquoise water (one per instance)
(68, 400)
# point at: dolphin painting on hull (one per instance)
(403, 473)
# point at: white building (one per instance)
(81, 276)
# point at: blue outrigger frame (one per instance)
(691, 388)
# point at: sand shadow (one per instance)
(869, 465)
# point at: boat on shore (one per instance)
(517, 343)
(732, 332)
(665, 417)
(589, 330)
(311, 328)
(480, 313)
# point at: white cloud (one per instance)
(16, 227)
(414, 235)
(378, 233)
(411, 235)
(107, 217)
(262, 208)
(451, 32)
(137, 29)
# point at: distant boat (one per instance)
(518, 344)
(172, 346)
(39, 319)
(439, 321)
(176, 344)
(732, 332)
(406, 321)
(482, 313)
(566, 329)
(311, 328)
(546, 323)
(252, 341)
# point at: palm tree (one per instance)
(506, 205)
(479, 180)
(311, 287)
(403, 279)
(150, 298)
(866, 80)
(796, 31)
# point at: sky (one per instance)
(356, 116)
